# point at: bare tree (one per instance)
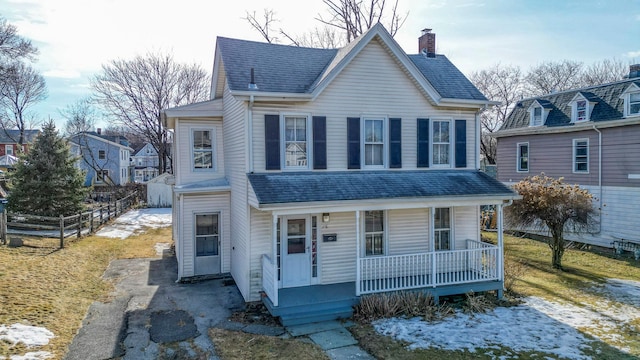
(23, 87)
(549, 77)
(264, 25)
(605, 71)
(12, 45)
(80, 116)
(135, 92)
(503, 83)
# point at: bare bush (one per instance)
(513, 271)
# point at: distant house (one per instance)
(145, 163)
(9, 141)
(314, 176)
(590, 137)
(105, 158)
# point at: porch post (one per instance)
(358, 253)
(500, 259)
(274, 257)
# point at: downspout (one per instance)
(478, 132)
(501, 241)
(250, 133)
(599, 178)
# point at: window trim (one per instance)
(214, 164)
(100, 180)
(102, 154)
(532, 120)
(451, 229)
(385, 141)
(385, 227)
(195, 233)
(574, 158)
(283, 141)
(519, 154)
(627, 104)
(432, 143)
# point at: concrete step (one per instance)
(315, 316)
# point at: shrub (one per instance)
(513, 271)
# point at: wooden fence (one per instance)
(63, 226)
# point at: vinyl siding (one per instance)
(338, 259)
(362, 89)
(235, 115)
(408, 231)
(202, 204)
(184, 163)
(261, 243)
(466, 222)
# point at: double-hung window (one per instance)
(202, 149)
(523, 157)
(441, 140)
(442, 228)
(374, 142)
(581, 110)
(102, 176)
(102, 154)
(374, 232)
(581, 155)
(634, 103)
(8, 149)
(207, 235)
(536, 116)
(295, 142)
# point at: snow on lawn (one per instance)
(30, 336)
(536, 325)
(135, 221)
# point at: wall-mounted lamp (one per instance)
(325, 217)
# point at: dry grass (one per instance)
(236, 345)
(51, 288)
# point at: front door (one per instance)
(296, 263)
(207, 241)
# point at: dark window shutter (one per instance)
(272, 142)
(461, 143)
(395, 143)
(353, 143)
(319, 142)
(423, 143)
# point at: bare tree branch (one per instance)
(263, 26)
(80, 116)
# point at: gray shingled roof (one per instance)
(12, 136)
(609, 106)
(292, 69)
(301, 187)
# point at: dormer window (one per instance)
(538, 112)
(634, 103)
(581, 107)
(631, 98)
(581, 110)
(537, 116)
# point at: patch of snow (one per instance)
(30, 336)
(161, 247)
(38, 355)
(135, 221)
(537, 325)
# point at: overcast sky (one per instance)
(75, 37)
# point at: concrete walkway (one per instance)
(333, 337)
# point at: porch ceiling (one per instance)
(277, 190)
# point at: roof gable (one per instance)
(11, 136)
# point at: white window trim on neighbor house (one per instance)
(102, 154)
(435, 230)
(299, 164)
(8, 150)
(366, 122)
(448, 145)
(212, 134)
(631, 97)
(581, 109)
(519, 167)
(533, 120)
(101, 175)
(584, 159)
(367, 233)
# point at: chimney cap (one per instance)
(426, 31)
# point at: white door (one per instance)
(207, 241)
(296, 260)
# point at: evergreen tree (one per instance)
(46, 181)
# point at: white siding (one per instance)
(235, 114)
(185, 173)
(363, 89)
(261, 243)
(466, 222)
(338, 259)
(200, 204)
(408, 231)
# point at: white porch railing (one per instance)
(400, 272)
(270, 279)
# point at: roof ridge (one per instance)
(581, 89)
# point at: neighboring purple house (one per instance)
(589, 136)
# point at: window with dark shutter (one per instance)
(423, 143)
(353, 143)
(319, 142)
(272, 142)
(395, 143)
(461, 143)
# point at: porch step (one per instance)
(315, 316)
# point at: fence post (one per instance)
(61, 231)
(108, 211)
(3, 226)
(91, 222)
(79, 224)
(101, 208)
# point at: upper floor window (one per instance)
(536, 116)
(296, 142)
(8, 149)
(374, 136)
(523, 157)
(581, 155)
(102, 154)
(202, 149)
(374, 232)
(581, 110)
(634, 103)
(442, 228)
(441, 143)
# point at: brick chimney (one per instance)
(634, 71)
(427, 43)
(99, 131)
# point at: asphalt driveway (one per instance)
(150, 316)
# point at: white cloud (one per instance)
(62, 73)
(633, 54)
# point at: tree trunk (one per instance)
(557, 248)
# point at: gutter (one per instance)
(599, 177)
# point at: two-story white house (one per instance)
(314, 176)
(145, 163)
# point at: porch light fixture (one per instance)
(325, 217)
